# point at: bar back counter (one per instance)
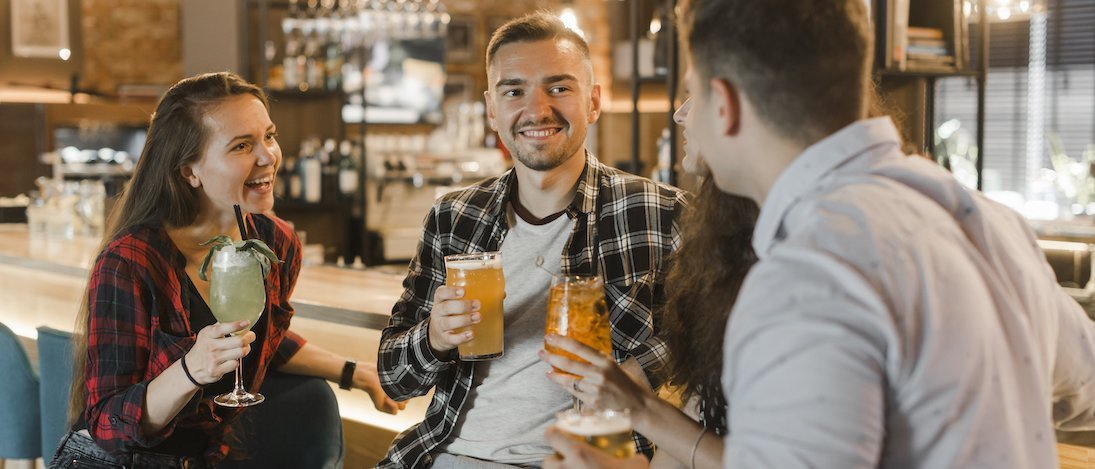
(42, 281)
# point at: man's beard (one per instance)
(540, 158)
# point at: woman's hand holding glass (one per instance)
(601, 383)
(216, 352)
(571, 453)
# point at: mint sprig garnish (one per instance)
(255, 247)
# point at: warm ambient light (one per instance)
(1007, 10)
(64, 54)
(570, 20)
(655, 25)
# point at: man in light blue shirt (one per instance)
(895, 318)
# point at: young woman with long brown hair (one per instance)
(149, 354)
(716, 253)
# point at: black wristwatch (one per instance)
(347, 379)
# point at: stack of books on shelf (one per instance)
(926, 50)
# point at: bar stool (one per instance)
(55, 370)
(19, 419)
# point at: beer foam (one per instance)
(593, 425)
(475, 264)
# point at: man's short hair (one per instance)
(536, 26)
(804, 64)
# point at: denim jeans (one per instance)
(79, 451)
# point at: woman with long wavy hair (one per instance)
(150, 356)
(703, 282)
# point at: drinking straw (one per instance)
(239, 220)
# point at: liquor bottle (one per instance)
(328, 158)
(281, 180)
(292, 64)
(315, 32)
(296, 185)
(311, 172)
(662, 169)
(348, 169)
(332, 47)
(353, 19)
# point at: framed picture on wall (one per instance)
(39, 29)
(460, 43)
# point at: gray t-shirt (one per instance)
(512, 401)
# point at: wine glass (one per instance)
(237, 293)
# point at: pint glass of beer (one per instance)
(608, 430)
(576, 309)
(481, 277)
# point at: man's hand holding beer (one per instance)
(449, 318)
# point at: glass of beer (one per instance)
(481, 277)
(576, 309)
(607, 430)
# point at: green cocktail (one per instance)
(237, 293)
(236, 290)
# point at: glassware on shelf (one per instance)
(321, 38)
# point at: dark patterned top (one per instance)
(625, 230)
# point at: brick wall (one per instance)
(130, 42)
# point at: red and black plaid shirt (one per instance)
(140, 300)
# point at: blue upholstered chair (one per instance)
(297, 426)
(55, 370)
(19, 420)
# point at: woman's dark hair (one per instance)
(157, 192)
(703, 284)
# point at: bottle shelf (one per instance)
(294, 205)
(927, 73)
(309, 94)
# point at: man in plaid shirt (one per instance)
(558, 207)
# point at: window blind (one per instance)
(1069, 97)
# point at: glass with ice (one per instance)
(237, 292)
(576, 309)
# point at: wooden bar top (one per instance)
(342, 310)
(1075, 457)
(320, 288)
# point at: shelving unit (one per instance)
(669, 79)
(897, 78)
(339, 222)
(375, 51)
(915, 84)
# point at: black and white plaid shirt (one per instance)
(625, 230)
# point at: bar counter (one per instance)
(342, 310)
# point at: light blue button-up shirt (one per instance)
(896, 319)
